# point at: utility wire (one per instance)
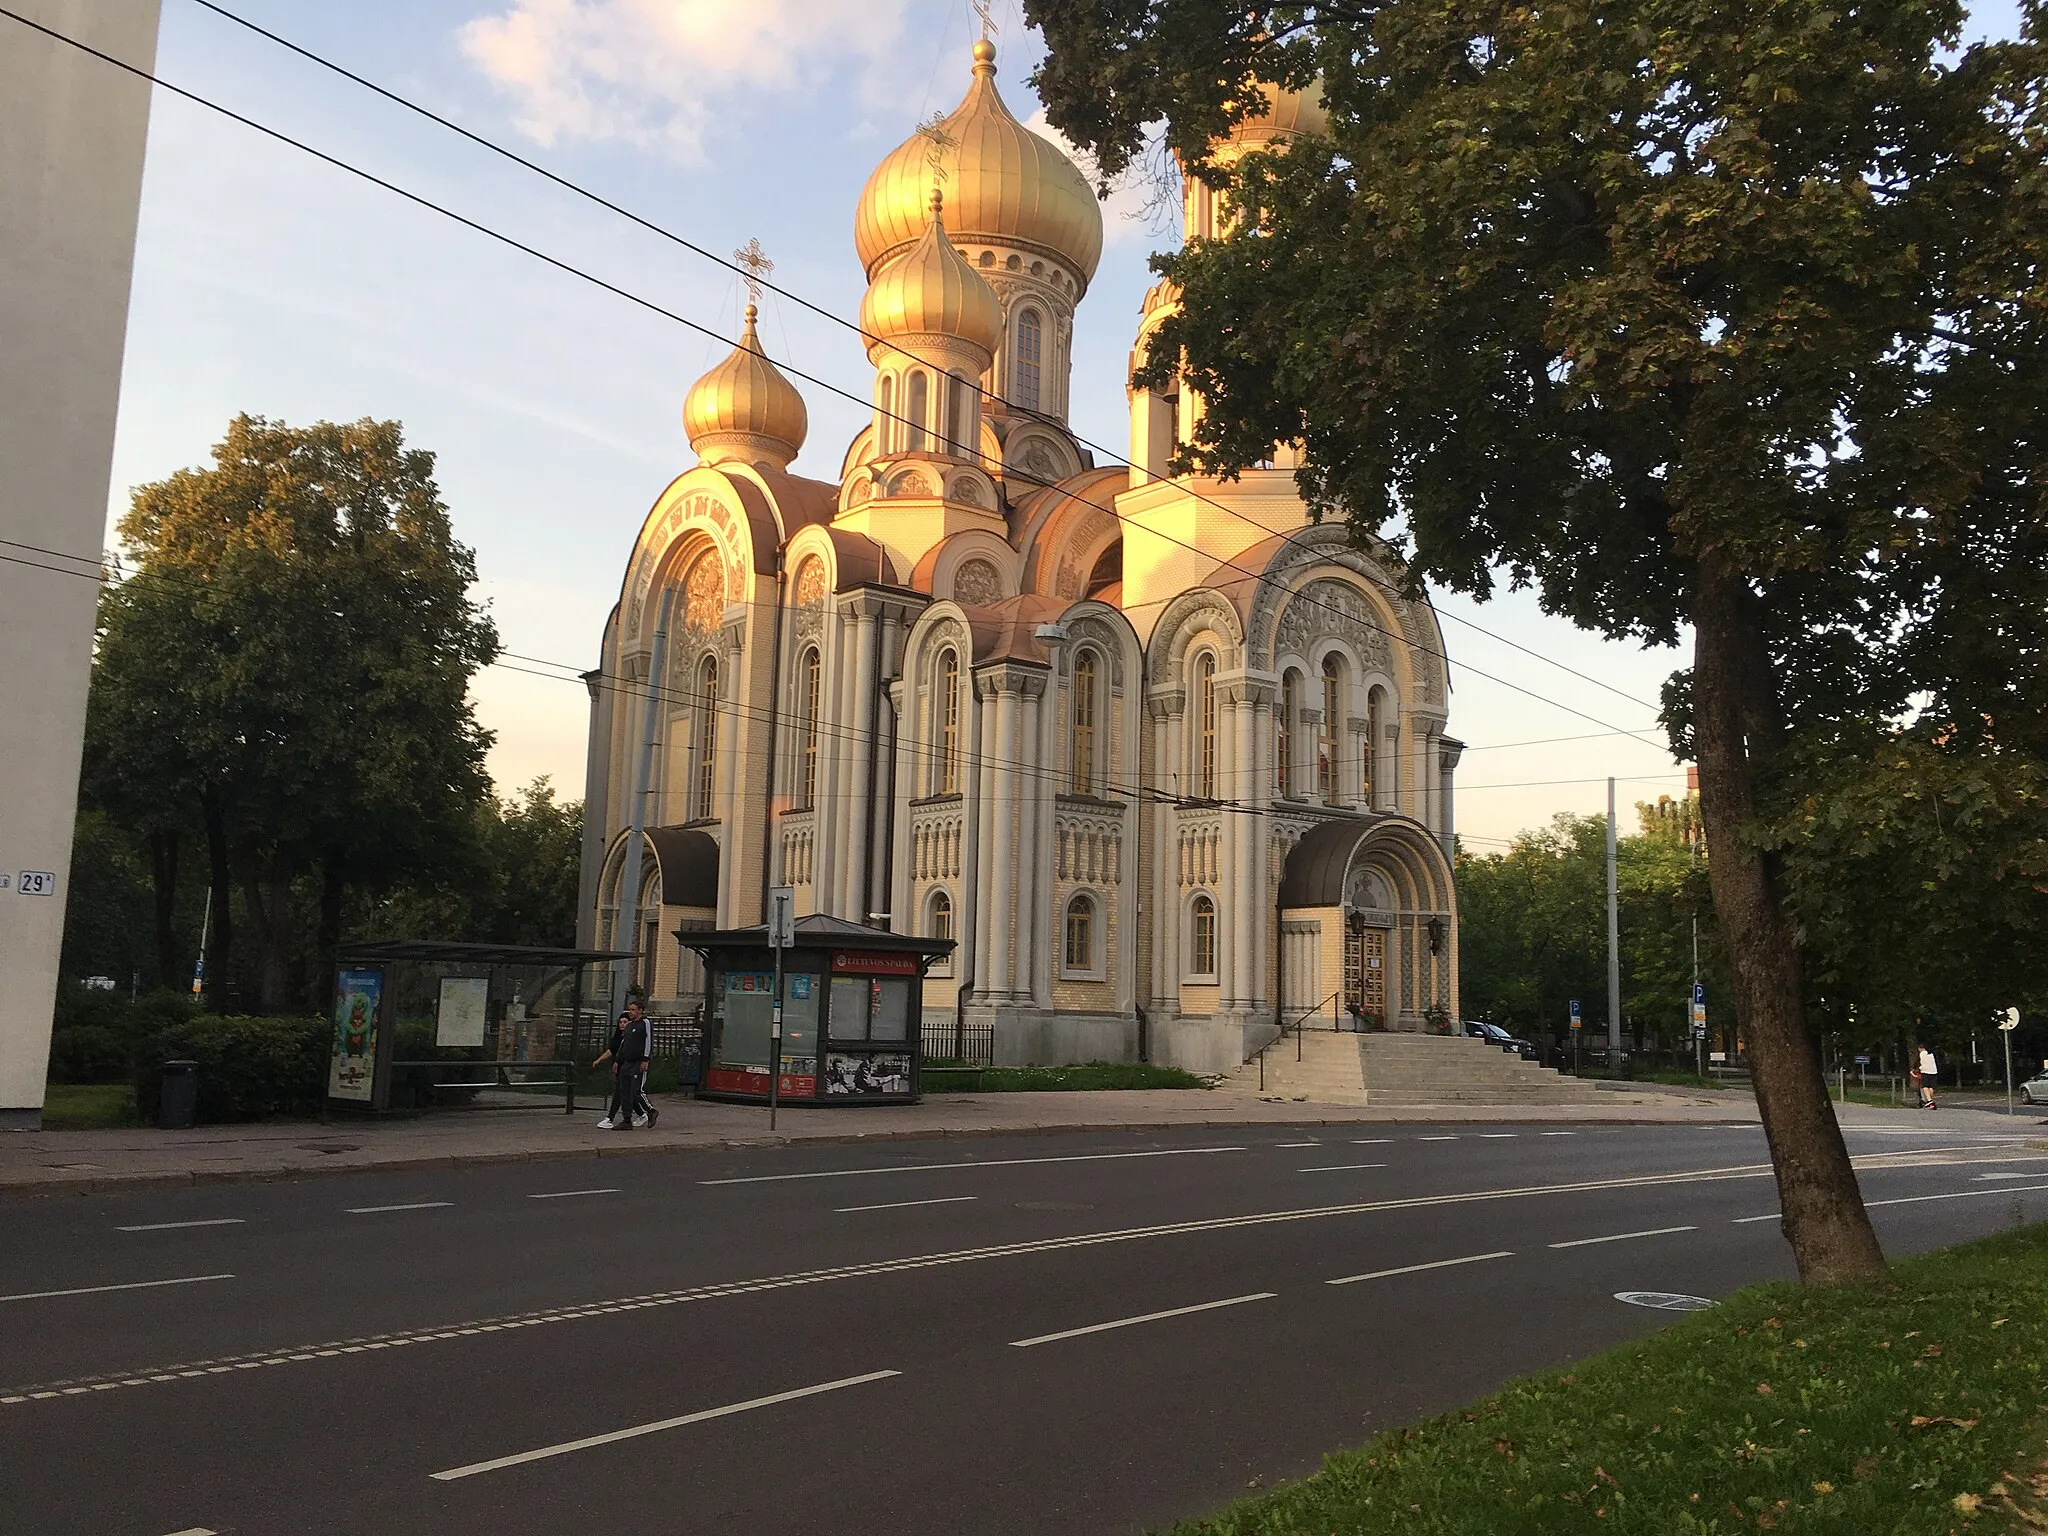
(665, 233)
(569, 268)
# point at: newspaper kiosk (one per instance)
(852, 1007)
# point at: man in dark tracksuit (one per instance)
(631, 1047)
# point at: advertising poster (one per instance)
(352, 1074)
(883, 1072)
(464, 1013)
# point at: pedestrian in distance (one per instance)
(1930, 1069)
(629, 1052)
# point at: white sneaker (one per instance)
(606, 1124)
(639, 1122)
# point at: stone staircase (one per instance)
(1403, 1069)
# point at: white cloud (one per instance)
(657, 72)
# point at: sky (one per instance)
(268, 282)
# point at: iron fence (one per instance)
(953, 1039)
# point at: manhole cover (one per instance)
(1664, 1301)
(1052, 1205)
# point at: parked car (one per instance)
(1494, 1034)
(2035, 1089)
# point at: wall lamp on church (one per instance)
(1437, 934)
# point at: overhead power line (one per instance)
(662, 231)
(420, 200)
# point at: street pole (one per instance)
(636, 833)
(1699, 1035)
(2011, 1023)
(775, 1043)
(1613, 944)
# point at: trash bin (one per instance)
(178, 1097)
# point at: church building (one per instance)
(1165, 758)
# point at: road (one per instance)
(1082, 1333)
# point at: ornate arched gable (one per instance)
(1200, 608)
(1067, 532)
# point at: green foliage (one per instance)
(1898, 1406)
(90, 1053)
(1092, 1076)
(88, 1106)
(288, 668)
(1532, 932)
(249, 1068)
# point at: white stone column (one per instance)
(977, 782)
(1162, 900)
(1034, 804)
(860, 746)
(1258, 839)
(1003, 868)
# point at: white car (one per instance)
(2035, 1089)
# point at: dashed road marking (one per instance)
(993, 1162)
(523, 1457)
(1622, 1237)
(1416, 1269)
(571, 1194)
(898, 1205)
(167, 1226)
(417, 1205)
(1143, 1317)
(132, 1285)
(1339, 1167)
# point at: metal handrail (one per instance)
(1299, 1020)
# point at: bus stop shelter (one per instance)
(427, 1023)
(852, 1008)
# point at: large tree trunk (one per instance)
(163, 874)
(268, 888)
(1735, 724)
(220, 939)
(333, 885)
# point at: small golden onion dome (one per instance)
(1287, 115)
(745, 409)
(930, 290)
(1003, 184)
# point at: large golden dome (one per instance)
(1287, 115)
(1003, 183)
(745, 409)
(930, 290)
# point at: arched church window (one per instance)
(966, 428)
(1030, 352)
(1079, 953)
(938, 924)
(885, 421)
(1326, 739)
(807, 695)
(1205, 747)
(1202, 937)
(1283, 739)
(1368, 787)
(917, 389)
(707, 736)
(946, 724)
(1082, 778)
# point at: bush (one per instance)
(248, 1068)
(90, 1053)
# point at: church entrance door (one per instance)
(1365, 971)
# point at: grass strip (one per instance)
(1914, 1406)
(945, 1077)
(87, 1106)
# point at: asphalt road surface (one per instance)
(1077, 1333)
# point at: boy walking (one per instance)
(631, 1047)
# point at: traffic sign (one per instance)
(1575, 1013)
(1699, 994)
(2012, 1019)
(781, 917)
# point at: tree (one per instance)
(291, 663)
(1684, 314)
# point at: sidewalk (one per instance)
(79, 1162)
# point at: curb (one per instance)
(93, 1184)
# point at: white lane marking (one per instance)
(1622, 1237)
(1297, 1143)
(571, 1194)
(898, 1205)
(166, 1226)
(1767, 1216)
(1560, 1133)
(1374, 1141)
(1143, 1317)
(994, 1162)
(1416, 1269)
(194, 1530)
(1339, 1167)
(1961, 1194)
(591, 1309)
(132, 1285)
(1496, 1135)
(417, 1205)
(1983, 1176)
(1436, 1138)
(500, 1463)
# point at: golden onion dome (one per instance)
(1003, 184)
(1287, 114)
(930, 290)
(745, 409)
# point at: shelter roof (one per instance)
(475, 954)
(817, 931)
(1314, 873)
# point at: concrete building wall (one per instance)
(72, 130)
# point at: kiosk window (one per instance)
(891, 1004)
(849, 1016)
(749, 1001)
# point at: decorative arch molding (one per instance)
(939, 572)
(1196, 610)
(694, 512)
(1294, 567)
(1040, 455)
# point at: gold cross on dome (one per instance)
(933, 130)
(758, 266)
(982, 8)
